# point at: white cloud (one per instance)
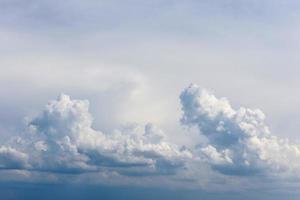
(239, 141)
(61, 139)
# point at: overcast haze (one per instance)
(149, 99)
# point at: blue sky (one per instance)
(117, 97)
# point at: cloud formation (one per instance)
(61, 139)
(238, 141)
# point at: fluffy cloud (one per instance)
(61, 139)
(238, 141)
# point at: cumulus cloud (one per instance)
(61, 139)
(238, 140)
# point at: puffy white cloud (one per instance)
(61, 139)
(239, 142)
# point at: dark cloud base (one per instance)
(26, 191)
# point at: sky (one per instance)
(152, 99)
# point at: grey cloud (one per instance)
(11, 158)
